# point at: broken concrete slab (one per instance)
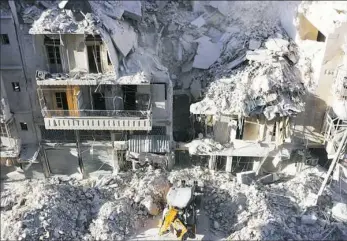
(236, 62)
(270, 178)
(199, 22)
(309, 219)
(277, 44)
(245, 177)
(207, 54)
(260, 55)
(62, 4)
(132, 9)
(122, 34)
(339, 211)
(254, 44)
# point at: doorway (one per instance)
(98, 101)
(129, 97)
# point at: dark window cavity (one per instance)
(23, 126)
(4, 39)
(15, 86)
(53, 54)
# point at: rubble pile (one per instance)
(277, 211)
(112, 207)
(269, 84)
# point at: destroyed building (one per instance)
(125, 78)
(88, 93)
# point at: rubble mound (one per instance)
(109, 208)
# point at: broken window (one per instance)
(61, 100)
(94, 59)
(4, 39)
(53, 54)
(15, 86)
(23, 126)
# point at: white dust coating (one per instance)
(115, 207)
(54, 20)
(269, 84)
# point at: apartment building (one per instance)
(19, 140)
(92, 117)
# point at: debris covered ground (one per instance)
(117, 207)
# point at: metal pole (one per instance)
(79, 153)
(333, 164)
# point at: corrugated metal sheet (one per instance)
(149, 143)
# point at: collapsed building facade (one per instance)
(114, 76)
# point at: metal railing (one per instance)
(138, 114)
(332, 125)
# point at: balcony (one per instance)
(333, 130)
(5, 114)
(97, 120)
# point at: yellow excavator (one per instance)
(180, 211)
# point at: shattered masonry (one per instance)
(250, 72)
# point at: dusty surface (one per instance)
(114, 207)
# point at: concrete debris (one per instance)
(245, 177)
(69, 209)
(269, 85)
(263, 212)
(270, 178)
(199, 22)
(207, 54)
(254, 44)
(55, 20)
(115, 207)
(309, 219)
(339, 211)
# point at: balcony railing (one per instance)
(121, 114)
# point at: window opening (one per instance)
(99, 101)
(129, 97)
(15, 86)
(61, 100)
(4, 39)
(53, 53)
(23, 126)
(94, 59)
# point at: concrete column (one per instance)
(171, 160)
(256, 165)
(79, 153)
(116, 167)
(229, 164)
(212, 162)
